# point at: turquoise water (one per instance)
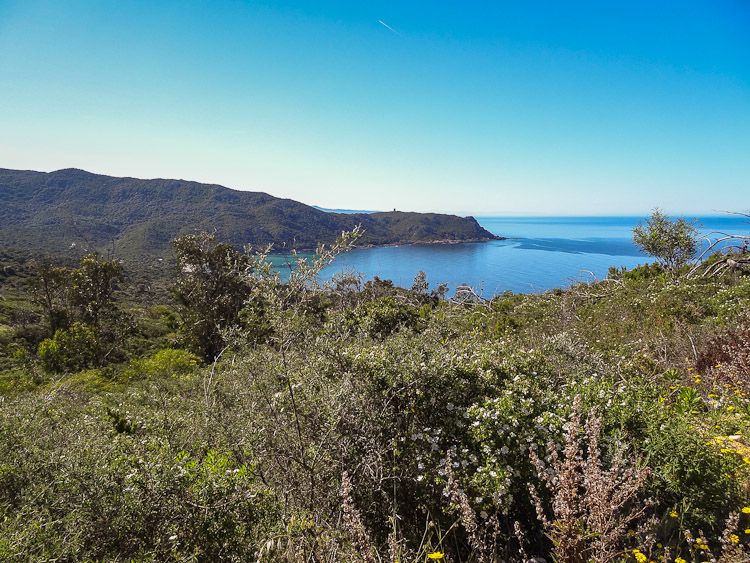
(541, 253)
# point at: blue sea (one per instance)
(540, 253)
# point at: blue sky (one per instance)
(578, 108)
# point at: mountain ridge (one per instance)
(53, 211)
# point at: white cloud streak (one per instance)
(389, 27)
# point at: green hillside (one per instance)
(139, 218)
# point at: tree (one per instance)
(84, 294)
(212, 287)
(230, 296)
(91, 290)
(672, 242)
(48, 288)
(84, 323)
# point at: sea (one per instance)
(538, 254)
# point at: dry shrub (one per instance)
(727, 356)
(732, 551)
(592, 506)
(353, 522)
(482, 539)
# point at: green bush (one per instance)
(378, 319)
(165, 363)
(70, 350)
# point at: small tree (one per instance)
(212, 286)
(84, 294)
(49, 288)
(83, 322)
(91, 290)
(672, 242)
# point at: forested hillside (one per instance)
(137, 219)
(246, 419)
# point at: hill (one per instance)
(139, 218)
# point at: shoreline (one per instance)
(407, 243)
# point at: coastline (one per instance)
(408, 243)
(439, 241)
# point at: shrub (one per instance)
(378, 319)
(164, 363)
(592, 505)
(70, 350)
(728, 356)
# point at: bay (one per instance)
(540, 253)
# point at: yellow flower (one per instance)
(673, 514)
(747, 531)
(680, 560)
(700, 545)
(746, 509)
(735, 538)
(639, 556)
(436, 555)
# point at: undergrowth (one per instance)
(604, 422)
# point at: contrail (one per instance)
(389, 27)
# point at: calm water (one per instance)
(541, 253)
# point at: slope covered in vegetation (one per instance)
(346, 422)
(139, 218)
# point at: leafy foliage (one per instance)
(672, 243)
(212, 286)
(164, 363)
(71, 350)
(91, 287)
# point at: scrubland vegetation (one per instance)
(253, 420)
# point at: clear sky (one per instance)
(503, 107)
